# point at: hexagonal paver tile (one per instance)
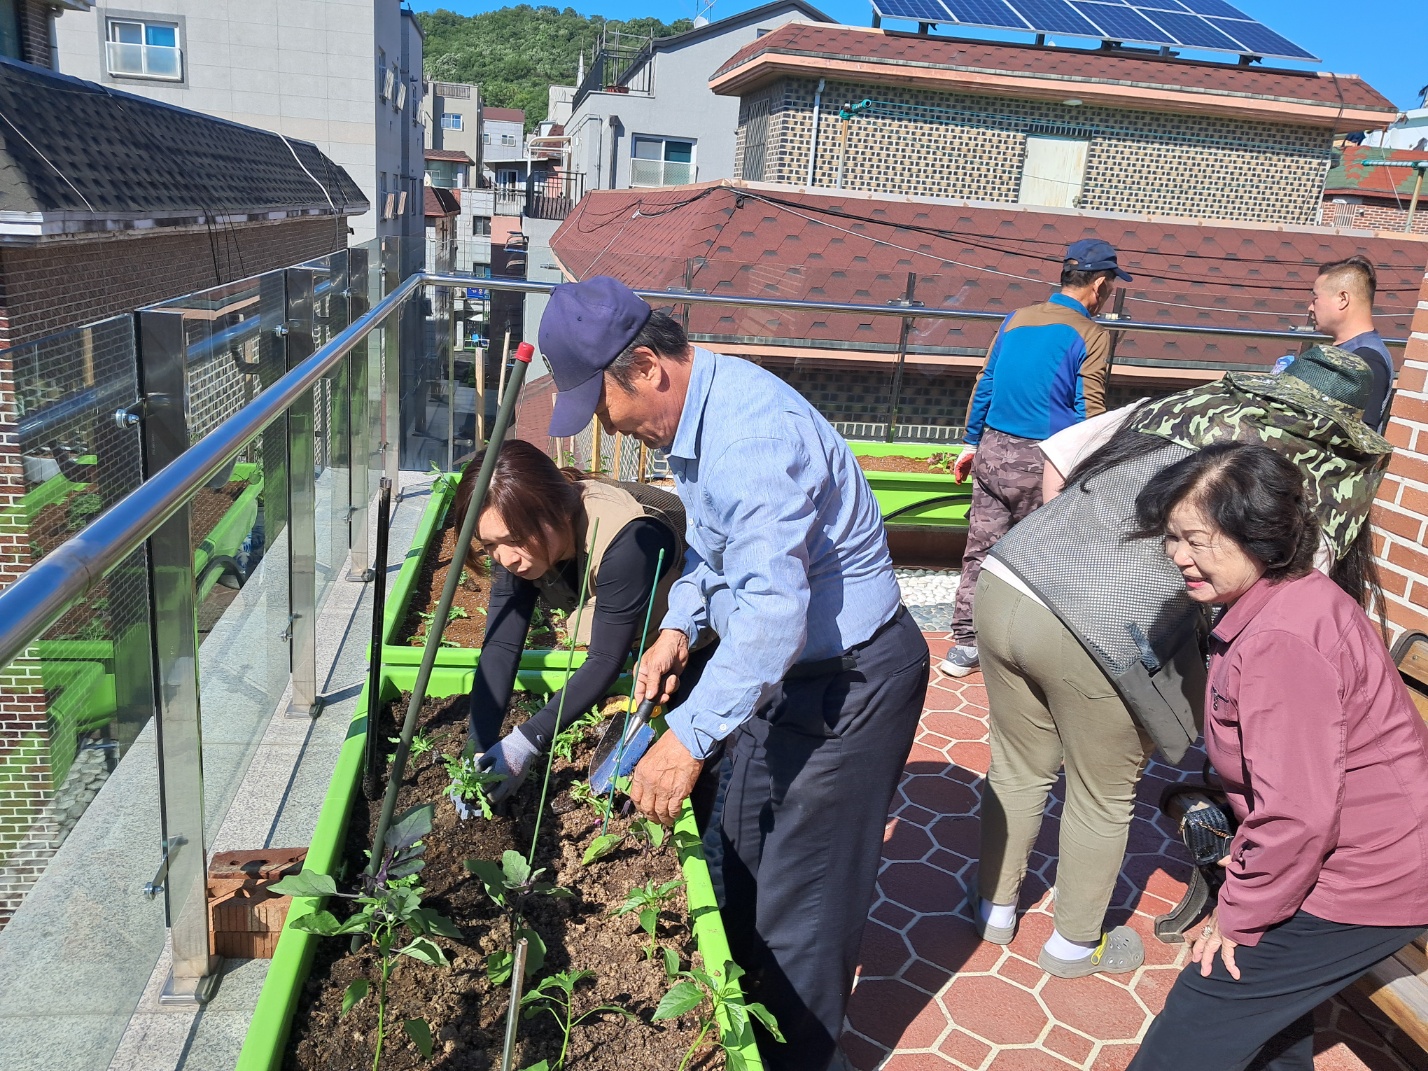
(959, 833)
(920, 888)
(964, 1048)
(1094, 1006)
(906, 842)
(1028, 1060)
(994, 1010)
(883, 953)
(861, 1053)
(918, 1061)
(950, 942)
(882, 1008)
(1065, 1043)
(1114, 1057)
(939, 794)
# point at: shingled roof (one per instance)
(1356, 171)
(757, 239)
(1129, 79)
(80, 157)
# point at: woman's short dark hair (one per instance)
(537, 500)
(1253, 495)
(661, 333)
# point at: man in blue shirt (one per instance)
(1045, 371)
(786, 649)
(1342, 306)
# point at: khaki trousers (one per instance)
(1052, 705)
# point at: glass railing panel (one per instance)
(80, 833)
(332, 443)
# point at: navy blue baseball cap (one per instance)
(1092, 254)
(585, 327)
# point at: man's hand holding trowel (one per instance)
(665, 776)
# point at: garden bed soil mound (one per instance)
(467, 1014)
(473, 595)
(898, 463)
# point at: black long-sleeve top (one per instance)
(622, 591)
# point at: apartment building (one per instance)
(1114, 129)
(344, 75)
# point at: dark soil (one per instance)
(473, 595)
(938, 463)
(466, 1013)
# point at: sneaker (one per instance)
(1119, 952)
(960, 661)
(997, 935)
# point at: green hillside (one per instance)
(516, 53)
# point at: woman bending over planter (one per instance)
(536, 525)
(1322, 754)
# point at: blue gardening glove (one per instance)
(510, 756)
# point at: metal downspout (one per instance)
(813, 146)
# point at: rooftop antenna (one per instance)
(705, 13)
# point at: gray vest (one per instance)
(1121, 597)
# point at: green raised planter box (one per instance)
(292, 959)
(922, 499)
(226, 539)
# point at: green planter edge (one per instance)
(268, 1031)
(901, 490)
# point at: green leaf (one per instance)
(491, 876)
(682, 998)
(734, 1060)
(355, 992)
(440, 924)
(535, 951)
(423, 951)
(655, 832)
(539, 1065)
(513, 864)
(420, 1033)
(671, 963)
(323, 922)
(763, 1015)
(649, 919)
(308, 883)
(410, 827)
(499, 966)
(600, 847)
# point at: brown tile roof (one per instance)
(879, 55)
(504, 115)
(439, 201)
(756, 239)
(456, 156)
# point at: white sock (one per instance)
(998, 915)
(1061, 948)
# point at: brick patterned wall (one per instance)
(1374, 217)
(36, 44)
(1401, 512)
(61, 284)
(932, 144)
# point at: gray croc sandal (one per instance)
(997, 935)
(1119, 952)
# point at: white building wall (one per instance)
(303, 68)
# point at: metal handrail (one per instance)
(61, 578)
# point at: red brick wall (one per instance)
(1401, 512)
(1374, 217)
(35, 41)
(65, 283)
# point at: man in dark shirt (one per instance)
(1342, 306)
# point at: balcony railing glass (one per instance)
(145, 61)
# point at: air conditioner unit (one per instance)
(388, 84)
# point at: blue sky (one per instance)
(1383, 41)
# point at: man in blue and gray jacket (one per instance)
(1045, 371)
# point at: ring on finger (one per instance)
(1207, 930)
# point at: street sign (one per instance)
(477, 293)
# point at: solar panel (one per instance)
(1261, 40)
(1055, 16)
(918, 10)
(1216, 7)
(1209, 25)
(1124, 24)
(996, 14)
(1193, 31)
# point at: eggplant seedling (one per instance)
(389, 910)
(555, 995)
(713, 993)
(511, 884)
(470, 783)
(649, 900)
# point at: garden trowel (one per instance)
(621, 748)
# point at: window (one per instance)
(756, 135)
(508, 139)
(451, 121)
(481, 226)
(508, 177)
(401, 101)
(137, 48)
(486, 139)
(661, 161)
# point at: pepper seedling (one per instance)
(389, 909)
(556, 995)
(717, 991)
(510, 884)
(649, 900)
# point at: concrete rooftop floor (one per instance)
(931, 996)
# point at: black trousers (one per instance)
(803, 799)
(1267, 1017)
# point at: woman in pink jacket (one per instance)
(1324, 758)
